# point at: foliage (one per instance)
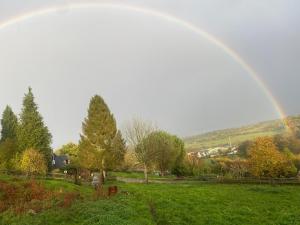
(236, 168)
(9, 124)
(266, 161)
(71, 150)
(8, 141)
(115, 156)
(237, 135)
(180, 204)
(98, 132)
(164, 150)
(130, 162)
(31, 197)
(32, 132)
(8, 153)
(136, 133)
(33, 163)
(289, 141)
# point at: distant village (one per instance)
(214, 152)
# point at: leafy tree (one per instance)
(72, 150)
(266, 161)
(233, 167)
(178, 167)
(287, 140)
(9, 124)
(166, 150)
(116, 154)
(98, 132)
(136, 133)
(243, 148)
(33, 162)
(32, 132)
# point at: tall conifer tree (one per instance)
(9, 124)
(8, 141)
(98, 132)
(32, 132)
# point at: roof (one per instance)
(59, 161)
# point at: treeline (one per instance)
(264, 157)
(102, 147)
(25, 139)
(25, 143)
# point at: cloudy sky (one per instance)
(150, 67)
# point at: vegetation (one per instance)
(136, 132)
(238, 135)
(32, 132)
(190, 203)
(148, 153)
(73, 168)
(33, 163)
(266, 161)
(99, 130)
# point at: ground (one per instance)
(185, 203)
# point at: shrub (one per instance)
(33, 163)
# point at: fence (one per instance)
(205, 179)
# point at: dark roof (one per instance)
(59, 161)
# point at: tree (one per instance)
(165, 149)
(98, 132)
(136, 131)
(71, 150)
(178, 167)
(33, 163)
(8, 152)
(8, 145)
(116, 154)
(9, 124)
(266, 161)
(32, 132)
(243, 148)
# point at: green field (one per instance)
(190, 203)
(237, 135)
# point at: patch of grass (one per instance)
(174, 204)
(139, 175)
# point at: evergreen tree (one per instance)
(8, 141)
(116, 155)
(9, 124)
(32, 132)
(99, 130)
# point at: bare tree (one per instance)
(136, 132)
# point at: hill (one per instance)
(237, 135)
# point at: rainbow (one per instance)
(172, 19)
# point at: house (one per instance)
(60, 161)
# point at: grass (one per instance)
(164, 204)
(139, 175)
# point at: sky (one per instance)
(149, 67)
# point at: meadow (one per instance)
(185, 203)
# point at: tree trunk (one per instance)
(146, 173)
(101, 178)
(76, 180)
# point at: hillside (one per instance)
(237, 135)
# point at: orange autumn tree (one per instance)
(265, 160)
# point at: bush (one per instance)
(33, 163)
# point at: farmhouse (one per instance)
(60, 161)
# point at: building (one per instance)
(60, 161)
